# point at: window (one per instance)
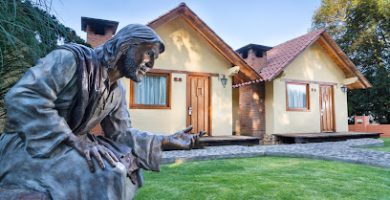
(152, 92)
(297, 95)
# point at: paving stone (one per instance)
(346, 151)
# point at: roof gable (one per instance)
(343, 61)
(283, 54)
(280, 56)
(246, 72)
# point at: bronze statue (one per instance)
(47, 146)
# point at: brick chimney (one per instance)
(251, 97)
(254, 55)
(98, 30)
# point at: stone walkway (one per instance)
(346, 151)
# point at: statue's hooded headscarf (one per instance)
(89, 72)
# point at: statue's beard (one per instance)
(135, 70)
(131, 70)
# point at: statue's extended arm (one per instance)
(146, 146)
(181, 140)
(30, 103)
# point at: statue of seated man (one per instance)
(47, 145)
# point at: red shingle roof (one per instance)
(280, 56)
(283, 54)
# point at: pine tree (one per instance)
(27, 32)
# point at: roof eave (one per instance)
(293, 58)
(207, 33)
(363, 82)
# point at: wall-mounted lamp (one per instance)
(344, 88)
(223, 80)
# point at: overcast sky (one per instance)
(238, 23)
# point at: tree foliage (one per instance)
(362, 29)
(27, 32)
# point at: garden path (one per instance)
(346, 151)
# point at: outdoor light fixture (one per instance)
(223, 80)
(344, 88)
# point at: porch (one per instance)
(290, 138)
(228, 140)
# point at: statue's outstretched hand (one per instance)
(181, 140)
(89, 149)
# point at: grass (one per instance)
(385, 147)
(267, 178)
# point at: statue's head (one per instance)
(133, 51)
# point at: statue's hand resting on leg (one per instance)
(181, 140)
(89, 149)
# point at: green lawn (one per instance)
(267, 178)
(386, 146)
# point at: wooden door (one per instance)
(198, 102)
(327, 108)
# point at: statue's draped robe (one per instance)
(42, 108)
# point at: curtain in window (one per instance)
(296, 96)
(152, 90)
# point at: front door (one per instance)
(327, 108)
(198, 102)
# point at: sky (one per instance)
(238, 23)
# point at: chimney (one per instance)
(254, 55)
(98, 30)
